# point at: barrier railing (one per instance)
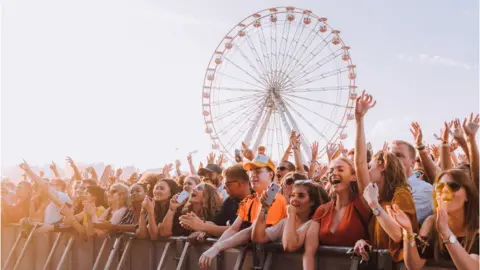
(66, 251)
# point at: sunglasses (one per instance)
(452, 186)
(291, 181)
(281, 169)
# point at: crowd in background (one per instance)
(418, 201)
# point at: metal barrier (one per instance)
(124, 252)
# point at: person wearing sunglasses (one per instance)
(452, 232)
(237, 185)
(287, 183)
(284, 168)
(262, 174)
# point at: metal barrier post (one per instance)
(13, 250)
(268, 261)
(52, 251)
(97, 260)
(258, 256)
(240, 259)
(125, 253)
(113, 253)
(22, 253)
(180, 264)
(66, 252)
(164, 255)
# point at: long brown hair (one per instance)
(210, 205)
(316, 194)
(470, 209)
(393, 173)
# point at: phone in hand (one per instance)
(271, 193)
(238, 156)
(182, 196)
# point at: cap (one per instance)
(260, 161)
(210, 168)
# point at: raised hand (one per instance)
(246, 152)
(385, 147)
(53, 166)
(294, 139)
(24, 166)
(417, 133)
(399, 217)
(178, 163)
(435, 152)
(314, 149)
(148, 205)
(220, 160)
(331, 150)
(364, 103)
(445, 132)
(370, 194)
(442, 218)
(211, 158)
(118, 173)
(470, 126)
(457, 131)
(70, 161)
(453, 146)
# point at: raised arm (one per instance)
(470, 127)
(364, 103)
(190, 165)
(389, 225)
(428, 164)
(104, 179)
(445, 159)
(76, 172)
(178, 164)
(295, 142)
(288, 151)
(93, 173)
(459, 136)
(259, 226)
(41, 183)
(313, 162)
(54, 169)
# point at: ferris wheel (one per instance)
(279, 69)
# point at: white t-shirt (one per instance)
(52, 212)
(422, 197)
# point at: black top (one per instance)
(227, 213)
(428, 251)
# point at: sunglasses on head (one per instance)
(454, 187)
(291, 181)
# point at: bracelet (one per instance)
(294, 147)
(408, 237)
(412, 243)
(420, 147)
(446, 145)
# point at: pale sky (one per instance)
(120, 81)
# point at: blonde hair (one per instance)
(122, 188)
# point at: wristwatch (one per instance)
(376, 211)
(452, 239)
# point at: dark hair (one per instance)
(293, 176)
(316, 193)
(305, 167)
(272, 171)
(237, 172)
(149, 180)
(470, 209)
(180, 180)
(174, 188)
(289, 165)
(98, 193)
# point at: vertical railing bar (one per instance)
(125, 254)
(164, 255)
(113, 253)
(52, 251)
(13, 250)
(183, 256)
(66, 252)
(22, 253)
(102, 248)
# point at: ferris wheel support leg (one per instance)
(251, 131)
(263, 128)
(303, 140)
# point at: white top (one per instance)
(52, 212)
(422, 197)
(275, 232)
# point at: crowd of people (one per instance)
(418, 201)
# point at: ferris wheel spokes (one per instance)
(321, 116)
(238, 89)
(263, 127)
(314, 100)
(252, 66)
(246, 111)
(321, 89)
(246, 72)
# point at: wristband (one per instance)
(420, 147)
(445, 145)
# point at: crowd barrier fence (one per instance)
(66, 251)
